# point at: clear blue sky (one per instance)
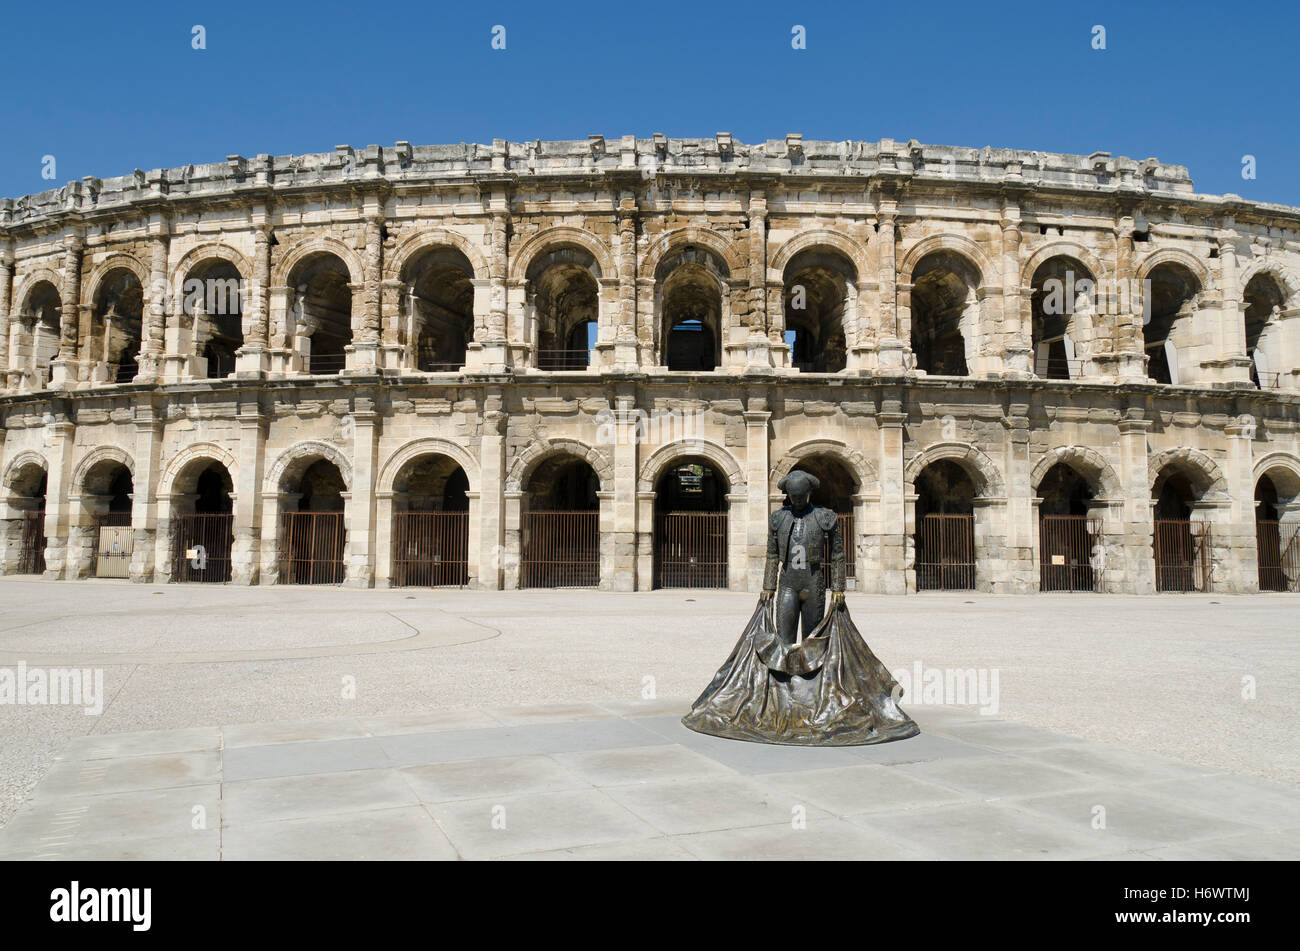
(110, 87)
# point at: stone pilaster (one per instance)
(757, 454)
(893, 349)
(1139, 556)
(64, 368)
(58, 438)
(625, 339)
(757, 354)
(1233, 365)
(494, 572)
(360, 556)
(252, 360)
(6, 304)
(1126, 311)
(248, 507)
(1021, 512)
(144, 501)
(893, 574)
(368, 320)
(1017, 347)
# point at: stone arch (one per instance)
(1287, 280)
(705, 449)
(1283, 468)
(182, 461)
(854, 251)
(317, 245)
(539, 452)
(555, 238)
(295, 460)
(28, 283)
(988, 480)
(1068, 249)
(1175, 256)
(1202, 471)
(412, 246)
(95, 457)
(120, 259)
(431, 445)
(957, 244)
(672, 241)
(1089, 463)
(20, 462)
(853, 460)
(210, 252)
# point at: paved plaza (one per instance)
(246, 723)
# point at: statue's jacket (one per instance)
(819, 524)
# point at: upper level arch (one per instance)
(536, 248)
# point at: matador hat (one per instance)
(799, 481)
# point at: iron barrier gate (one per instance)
(1279, 555)
(1065, 553)
(945, 553)
(691, 550)
(1182, 549)
(850, 553)
(311, 548)
(430, 549)
(201, 547)
(31, 556)
(114, 541)
(560, 550)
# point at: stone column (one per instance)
(154, 331)
(368, 319)
(893, 348)
(778, 350)
(625, 452)
(1017, 344)
(1126, 311)
(892, 575)
(758, 508)
(758, 356)
(1235, 538)
(64, 368)
(361, 504)
(144, 503)
(625, 338)
(6, 305)
(494, 351)
(1021, 510)
(1139, 555)
(1235, 363)
(248, 507)
(493, 571)
(252, 360)
(59, 437)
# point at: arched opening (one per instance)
(118, 309)
(106, 498)
(944, 312)
(691, 284)
(322, 312)
(27, 501)
(439, 308)
(817, 288)
(40, 316)
(945, 528)
(1277, 530)
(1263, 301)
(1061, 302)
(690, 530)
(431, 523)
(566, 298)
(1182, 546)
(214, 305)
(836, 490)
(312, 533)
(1169, 305)
(560, 526)
(202, 523)
(1071, 548)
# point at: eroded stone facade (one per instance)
(879, 312)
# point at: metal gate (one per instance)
(850, 553)
(1279, 555)
(1065, 551)
(691, 550)
(31, 556)
(201, 547)
(114, 541)
(311, 548)
(430, 549)
(560, 550)
(945, 553)
(1182, 549)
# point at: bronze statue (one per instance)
(825, 688)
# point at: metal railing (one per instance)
(690, 550)
(311, 548)
(945, 553)
(433, 366)
(563, 359)
(1182, 552)
(430, 549)
(1066, 546)
(560, 550)
(325, 364)
(31, 553)
(1278, 544)
(201, 545)
(850, 552)
(114, 542)
(1269, 380)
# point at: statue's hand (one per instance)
(837, 598)
(766, 595)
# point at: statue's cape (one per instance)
(831, 690)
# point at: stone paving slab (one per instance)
(625, 780)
